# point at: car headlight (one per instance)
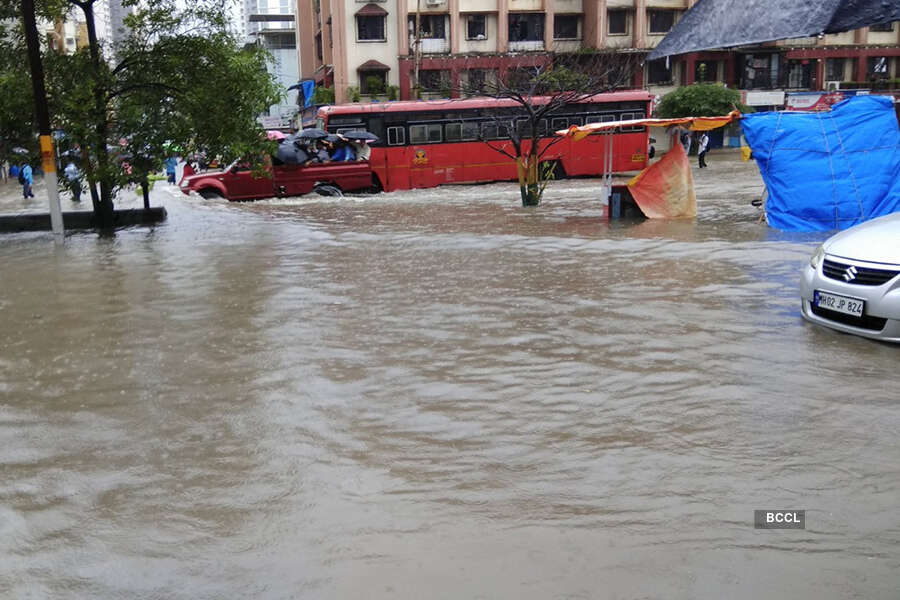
(816, 259)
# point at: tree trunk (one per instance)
(529, 180)
(103, 205)
(145, 190)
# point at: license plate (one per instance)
(838, 303)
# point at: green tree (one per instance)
(178, 82)
(700, 100)
(16, 101)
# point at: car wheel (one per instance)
(326, 189)
(208, 194)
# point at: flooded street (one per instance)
(437, 394)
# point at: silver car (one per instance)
(852, 283)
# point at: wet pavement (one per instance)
(437, 394)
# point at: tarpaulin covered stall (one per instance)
(830, 169)
(665, 189)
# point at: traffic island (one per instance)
(81, 220)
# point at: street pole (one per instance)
(48, 160)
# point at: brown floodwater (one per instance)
(437, 394)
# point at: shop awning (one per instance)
(693, 123)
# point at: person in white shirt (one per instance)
(362, 148)
(702, 145)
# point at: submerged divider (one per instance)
(80, 219)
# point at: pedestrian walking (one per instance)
(27, 178)
(686, 140)
(702, 145)
(73, 175)
(171, 164)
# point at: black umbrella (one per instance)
(19, 150)
(332, 138)
(726, 23)
(360, 135)
(311, 134)
(291, 155)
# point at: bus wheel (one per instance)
(326, 189)
(554, 169)
(210, 194)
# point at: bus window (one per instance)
(629, 116)
(423, 134)
(560, 123)
(396, 136)
(489, 131)
(469, 131)
(453, 132)
(376, 127)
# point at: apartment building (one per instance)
(271, 23)
(363, 44)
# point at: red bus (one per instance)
(429, 143)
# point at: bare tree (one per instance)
(539, 92)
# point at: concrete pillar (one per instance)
(690, 68)
(591, 25)
(548, 24)
(402, 27)
(339, 51)
(820, 73)
(502, 26)
(860, 74)
(305, 30)
(455, 27)
(640, 24)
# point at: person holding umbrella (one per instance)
(26, 176)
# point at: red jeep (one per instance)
(238, 182)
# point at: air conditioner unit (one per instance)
(832, 86)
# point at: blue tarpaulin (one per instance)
(828, 170)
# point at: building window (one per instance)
(834, 69)
(476, 29)
(319, 46)
(706, 71)
(877, 67)
(799, 74)
(372, 82)
(430, 26)
(661, 21)
(618, 22)
(658, 72)
(526, 27)
(370, 29)
(433, 80)
(565, 27)
(882, 27)
(479, 80)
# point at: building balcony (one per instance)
(432, 45)
(526, 46)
